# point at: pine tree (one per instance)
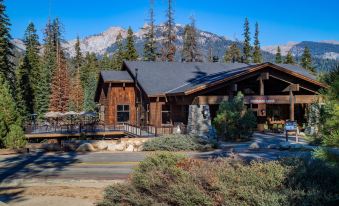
(150, 48)
(278, 58)
(232, 54)
(11, 134)
(48, 66)
(168, 48)
(60, 88)
(190, 52)
(6, 66)
(247, 45)
(89, 78)
(23, 88)
(77, 93)
(306, 60)
(77, 60)
(119, 55)
(257, 58)
(289, 58)
(130, 51)
(106, 62)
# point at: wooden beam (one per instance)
(291, 105)
(292, 87)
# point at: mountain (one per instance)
(325, 53)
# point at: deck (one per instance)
(93, 130)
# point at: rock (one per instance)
(272, 146)
(116, 147)
(100, 145)
(284, 145)
(86, 147)
(51, 147)
(254, 145)
(130, 148)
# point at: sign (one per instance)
(291, 126)
(262, 101)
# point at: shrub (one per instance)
(233, 120)
(172, 179)
(15, 139)
(174, 142)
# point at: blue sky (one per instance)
(280, 21)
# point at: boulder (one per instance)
(116, 147)
(100, 145)
(86, 147)
(284, 145)
(51, 147)
(254, 145)
(130, 148)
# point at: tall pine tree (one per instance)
(232, 54)
(289, 58)
(306, 60)
(150, 47)
(257, 58)
(190, 51)
(278, 57)
(23, 88)
(60, 88)
(168, 47)
(89, 78)
(247, 42)
(119, 55)
(6, 66)
(130, 51)
(106, 62)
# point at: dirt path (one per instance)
(58, 192)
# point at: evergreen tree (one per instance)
(247, 45)
(6, 66)
(48, 66)
(77, 93)
(89, 78)
(257, 58)
(119, 55)
(278, 57)
(289, 58)
(232, 54)
(168, 47)
(11, 134)
(130, 51)
(60, 88)
(150, 48)
(23, 89)
(77, 60)
(106, 62)
(190, 52)
(306, 60)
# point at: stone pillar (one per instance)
(199, 120)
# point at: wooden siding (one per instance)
(118, 94)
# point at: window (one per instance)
(165, 114)
(123, 113)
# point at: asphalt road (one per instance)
(115, 165)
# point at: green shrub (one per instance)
(233, 120)
(172, 179)
(175, 142)
(15, 139)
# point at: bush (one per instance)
(176, 142)
(172, 179)
(233, 120)
(15, 139)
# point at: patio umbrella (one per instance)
(71, 113)
(50, 115)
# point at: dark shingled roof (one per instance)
(116, 76)
(172, 77)
(159, 78)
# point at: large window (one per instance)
(123, 113)
(165, 114)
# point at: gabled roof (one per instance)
(161, 78)
(116, 76)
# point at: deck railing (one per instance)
(96, 127)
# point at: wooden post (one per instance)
(291, 105)
(262, 89)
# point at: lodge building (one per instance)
(186, 96)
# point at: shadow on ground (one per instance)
(27, 166)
